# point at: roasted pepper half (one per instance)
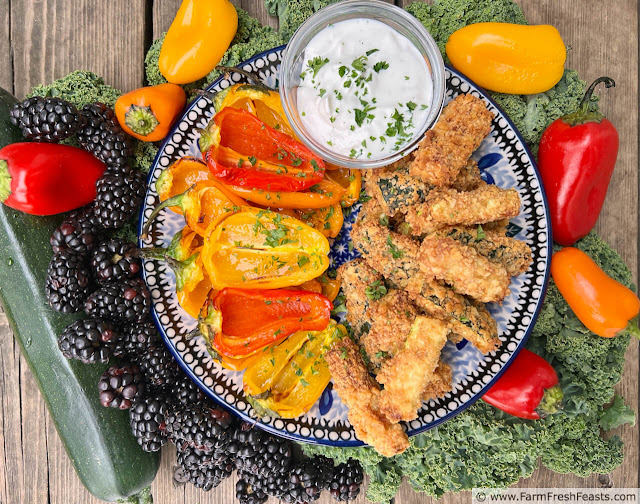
(509, 58)
(603, 305)
(257, 100)
(242, 150)
(197, 39)
(202, 204)
(239, 322)
(180, 176)
(350, 181)
(288, 379)
(264, 250)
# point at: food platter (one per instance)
(503, 159)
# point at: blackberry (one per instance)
(90, 340)
(185, 392)
(79, 232)
(246, 493)
(113, 261)
(200, 426)
(260, 453)
(307, 480)
(202, 468)
(118, 197)
(68, 281)
(124, 302)
(147, 417)
(120, 385)
(346, 481)
(103, 137)
(158, 365)
(136, 340)
(45, 119)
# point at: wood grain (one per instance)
(44, 39)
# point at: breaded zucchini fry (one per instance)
(445, 149)
(440, 384)
(467, 319)
(407, 374)
(396, 191)
(360, 392)
(469, 177)
(464, 269)
(356, 278)
(514, 255)
(448, 207)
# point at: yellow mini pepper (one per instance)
(509, 58)
(197, 39)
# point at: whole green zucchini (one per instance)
(98, 440)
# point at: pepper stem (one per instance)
(5, 180)
(169, 202)
(608, 82)
(141, 120)
(632, 328)
(551, 401)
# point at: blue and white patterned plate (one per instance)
(503, 159)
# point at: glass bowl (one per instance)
(396, 18)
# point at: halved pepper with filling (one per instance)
(240, 322)
(242, 150)
(288, 379)
(262, 249)
(203, 204)
(257, 100)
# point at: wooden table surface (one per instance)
(41, 40)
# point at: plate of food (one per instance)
(440, 258)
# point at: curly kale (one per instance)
(443, 17)
(533, 113)
(485, 447)
(292, 13)
(250, 39)
(79, 87)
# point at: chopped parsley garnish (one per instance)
(481, 235)
(411, 106)
(296, 161)
(359, 63)
(395, 252)
(314, 163)
(342, 70)
(322, 92)
(302, 260)
(253, 160)
(240, 162)
(317, 63)
(380, 65)
(376, 290)
(371, 51)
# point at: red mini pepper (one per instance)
(576, 158)
(47, 179)
(242, 150)
(238, 322)
(527, 389)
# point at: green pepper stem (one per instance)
(169, 202)
(551, 401)
(632, 328)
(5, 180)
(608, 82)
(141, 120)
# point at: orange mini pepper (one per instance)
(180, 176)
(149, 112)
(603, 305)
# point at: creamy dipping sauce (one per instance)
(364, 89)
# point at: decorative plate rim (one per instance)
(355, 443)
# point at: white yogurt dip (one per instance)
(364, 90)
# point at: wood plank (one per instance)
(6, 55)
(51, 38)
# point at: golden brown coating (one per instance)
(514, 255)
(392, 318)
(395, 190)
(448, 207)
(356, 278)
(407, 374)
(467, 319)
(464, 269)
(392, 254)
(360, 392)
(440, 384)
(445, 149)
(469, 177)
